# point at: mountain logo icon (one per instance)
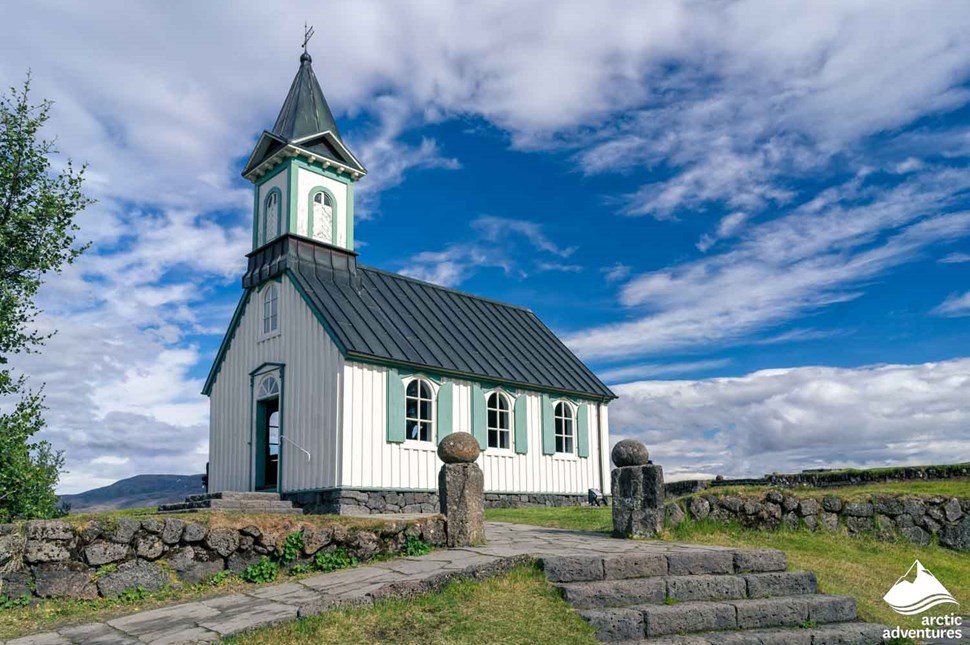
(914, 597)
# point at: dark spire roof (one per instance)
(305, 111)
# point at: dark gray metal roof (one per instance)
(374, 314)
(305, 111)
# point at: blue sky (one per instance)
(750, 218)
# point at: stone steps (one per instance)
(233, 501)
(849, 633)
(704, 595)
(635, 591)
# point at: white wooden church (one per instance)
(335, 381)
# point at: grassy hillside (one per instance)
(136, 492)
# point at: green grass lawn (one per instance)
(862, 567)
(519, 607)
(956, 487)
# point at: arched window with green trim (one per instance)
(322, 216)
(272, 220)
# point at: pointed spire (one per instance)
(305, 111)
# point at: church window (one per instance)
(499, 421)
(271, 217)
(320, 224)
(564, 427)
(418, 410)
(268, 387)
(271, 309)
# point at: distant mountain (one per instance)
(135, 492)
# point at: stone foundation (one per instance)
(367, 502)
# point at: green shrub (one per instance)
(134, 594)
(416, 546)
(333, 560)
(300, 569)
(291, 548)
(220, 577)
(103, 571)
(10, 603)
(263, 571)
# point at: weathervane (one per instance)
(307, 35)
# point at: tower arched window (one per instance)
(271, 309)
(320, 224)
(272, 221)
(419, 411)
(268, 387)
(565, 423)
(499, 421)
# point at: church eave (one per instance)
(294, 151)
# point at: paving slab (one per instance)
(209, 620)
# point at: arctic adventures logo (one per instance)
(912, 597)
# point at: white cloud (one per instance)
(808, 417)
(653, 370)
(955, 305)
(616, 272)
(495, 246)
(819, 254)
(955, 258)
(727, 227)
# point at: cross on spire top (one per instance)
(307, 35)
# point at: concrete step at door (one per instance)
(653, 620)
(657, 589)
(851, 633)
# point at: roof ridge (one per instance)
(459, 292)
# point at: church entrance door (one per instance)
(267, 444)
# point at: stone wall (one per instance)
(833, 478)
(368, 502)
(915, 519)
(54, 559)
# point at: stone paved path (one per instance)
(207, 621)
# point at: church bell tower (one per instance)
(302, 173)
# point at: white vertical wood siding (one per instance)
(312, 384)
(370, 461)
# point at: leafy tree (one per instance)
(37, 237)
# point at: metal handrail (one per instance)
(298, 446)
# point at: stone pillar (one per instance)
(638, 492)
(461, 490)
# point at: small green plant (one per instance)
(220, 577)
(103, 571)
(333, 560)
(300, 569)
(808, 624)
(670, 600)
(134, 594)
(291, 547)
(263, 571)
(416, 546)
(10, 603)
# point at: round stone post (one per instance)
(638, 492)
(461, 490)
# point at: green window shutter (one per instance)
(548, 427)
(582, 430)
(445, 410)
(479, 428)
(522, 424)
(395, 407)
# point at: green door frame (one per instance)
(256, 446)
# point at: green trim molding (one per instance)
(446, 410)
(522, 425)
